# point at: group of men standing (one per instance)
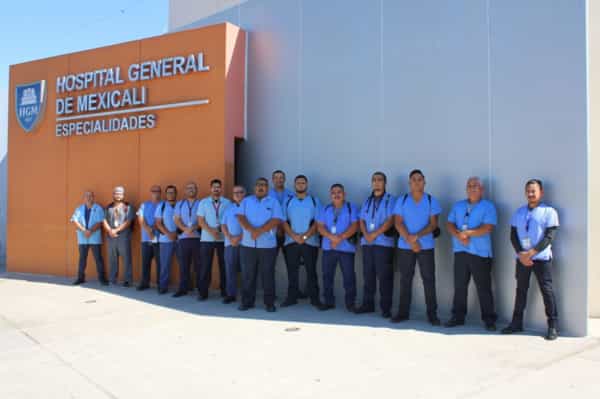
(247, 232)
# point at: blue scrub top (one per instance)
(96, 216)
(346, 215)
(188, 214)
(376, 212)
(299, 213)
(147, 210)
(166, 212)
(258, 212)
(467, 216)
(531, 225)
(213, 213)
(416, 216)
(281, 197)
(231, 221)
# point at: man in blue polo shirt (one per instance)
(338, 224)
(210, 219)
(302, 241)
(149, 236)
(416, 220)
(533, 229)
(88, 219)
(188, 242)
(232, 230)
(471, 222)
(378, 242)
(164, 217)
(259, 215)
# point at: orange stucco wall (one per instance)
(48, 174)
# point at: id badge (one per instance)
(333, 230)
(526, 243)
(189, 223)
(372, 227)
(116, 223)
(464, 227)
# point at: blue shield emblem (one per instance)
(30, 103)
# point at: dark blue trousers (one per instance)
(167, 250)
(207, 253)
(232, 267)
(83, 255)
(330, 260)
(189, 251)
(254, 260)
(150, 251)
(378, 265)
(407, 261)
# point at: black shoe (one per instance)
(244, 307)
(228, 299)
(270, 308)
(142, 287)
(302, 295)
(79, 281)
(162, 291)
(434, 321)
(453, 322)
(316, 303)
(104, 282)
(490, 326)
(365, 309)
(351, 308)
(202, 297)
(399, 318)
(552, 334)
(288, 302)
(386, 314)
(325, 306)
(179, 293)
(512, 329)
(223, 294)
(126, 284)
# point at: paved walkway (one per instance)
(61, 341)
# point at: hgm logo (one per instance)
(30, 102)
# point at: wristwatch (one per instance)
(305, 237)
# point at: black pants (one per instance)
(120, 247)
(83, 254)
(378, 265)
(294, 254)
(543, 274)
(465, 266)
(252, 260)
(150, 250)
(189, 251)
(407, 260)
(207, 252)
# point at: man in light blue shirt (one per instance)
(149, 237)
(378, 242)
(471, 222)
(188, 243)
(232, 230)
(88, 219)
(416, 220)
(259, 215)
(338, 224)
(532, 233)
(164, 217)
(210, 219)
(302, 241)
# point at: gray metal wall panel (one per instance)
(338, 89)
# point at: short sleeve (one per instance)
(177, 210)
(399, 207)
(201, 211)
(364, 209)
(321, 215)
(241, 210)
(277, 212)
(436, 209)
(140, 211)
(158, 211)
(390, 207)
(552, 218)
(490, 216)
(514, 219)
(76, 215)
(452, 214)
(353, 213)
(131, 213)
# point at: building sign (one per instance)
(30, 101)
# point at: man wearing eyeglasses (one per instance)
(232, 230)
(471, 222)
(259, 215)
(533, 229)
(149, 236)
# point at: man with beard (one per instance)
(119, 216)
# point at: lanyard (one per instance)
(376, 204)
(216, 204)
(527, 220)
(187, 203)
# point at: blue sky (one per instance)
(41, 28)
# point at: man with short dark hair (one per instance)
(119, 216)
(210, 218)
(259, 215)
(533, 229)
(416, 219)
(149, 237)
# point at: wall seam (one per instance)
(489, 94)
